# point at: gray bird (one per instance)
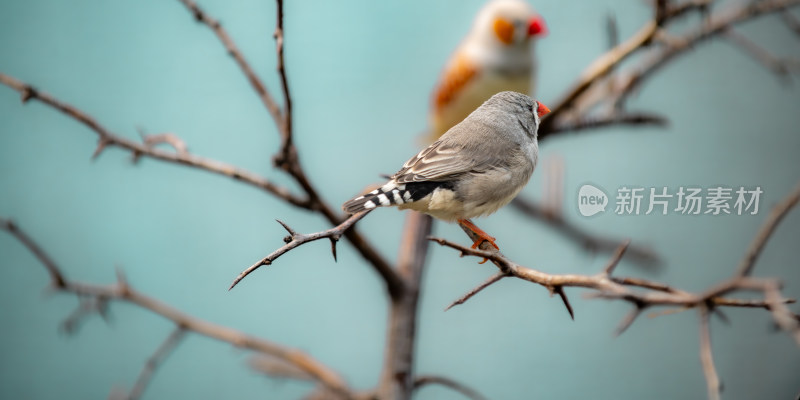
(474, 169)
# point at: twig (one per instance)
(284, 155)
(56, 278)
(461, 300)
(287, 157)
(782, 68)
(715, 24)
(234, 52)
(122, 291)
(591, 242)
(628, 118)
(297, 239)
(107, 138)
(398, 365)
(162, 352)
(313, 202)
(597, 70)
(450, 383)
(706, 356)
(616, 257)
(773, 219)
(658, 294)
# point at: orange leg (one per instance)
(483, 236)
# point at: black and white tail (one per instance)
(390, 194)
(394, 194)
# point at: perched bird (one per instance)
(475, 168)
(496, 55)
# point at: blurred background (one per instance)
(361, 74)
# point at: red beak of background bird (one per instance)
(536, 27)
(542, 110)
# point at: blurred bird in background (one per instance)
(496, 55)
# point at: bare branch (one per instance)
(313, 202)
(296, 240)
(461, 300)
(202, 17)
(56, 278)
(626, 118)
(597, 70)
(782, 68)
(659, 294)
(665, 14)
(450, 383)
(122, 291)
(706, 357)
(287, 148)
(774, 218)
(716, 23)
(162, 352)
(398, 365)
(591, 242)
(107, 138)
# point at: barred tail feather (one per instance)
(390, 194)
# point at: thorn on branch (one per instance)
(563, 295)
(615, 259)
(288, 229)
(102, 143)
(28, 92)
(334, 240)
(629, 318)
(721, 315)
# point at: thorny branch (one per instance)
(652, 38)
(656, 57)
(297, 239)
(122, 291)
(714, 24)
(108, 139)
(287, 156)
(655, 294)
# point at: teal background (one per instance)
(361, 73)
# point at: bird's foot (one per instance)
(482, 236)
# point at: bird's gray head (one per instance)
(527, 111)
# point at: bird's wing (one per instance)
(455, 77)
(443, 161)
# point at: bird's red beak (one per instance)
(542, 110)
(536, 26)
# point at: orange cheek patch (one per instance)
(454, 79)
(504, 30)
